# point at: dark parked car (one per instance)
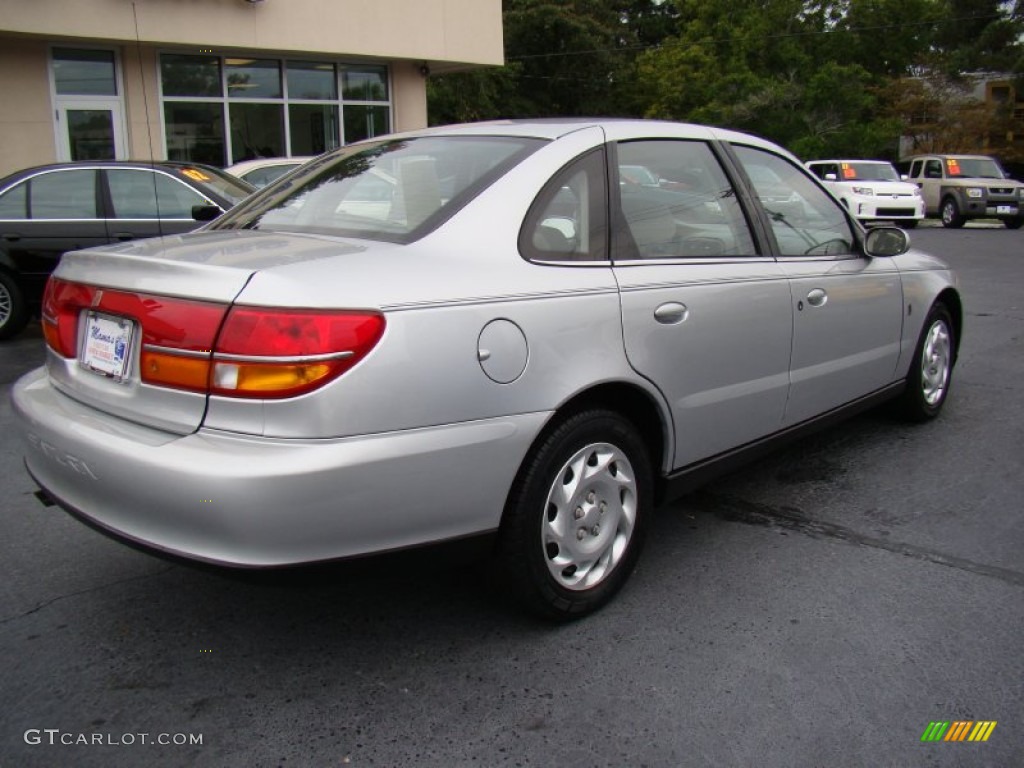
(50, 209)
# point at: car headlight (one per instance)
(974, 192)
(866, 191)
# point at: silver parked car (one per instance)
(480, 329)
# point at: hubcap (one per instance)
(935, 360)
(948, 213)
(589, 516)
(6, 305)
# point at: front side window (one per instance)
(676, 202)
(138, 194)
(805, 220)
(63, 195)
(395, 191)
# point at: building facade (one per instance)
(221, 81)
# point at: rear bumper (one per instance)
(254, 502)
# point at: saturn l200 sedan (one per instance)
(475, 330)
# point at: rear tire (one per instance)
(1014, 223)
(951, 216)
(931, 371)
(575, 519)
(13, 313)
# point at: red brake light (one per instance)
(258, 353)
(274, 353)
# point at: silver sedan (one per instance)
(531, 331)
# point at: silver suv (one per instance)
(961, 187)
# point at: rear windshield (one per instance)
(394, 190)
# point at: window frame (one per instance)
(225, 100)
(750, 192)
(600, 229)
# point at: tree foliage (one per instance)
(823, 77)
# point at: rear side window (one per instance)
(395, 190)
(676, 203)
(805, 220)
(568, 220)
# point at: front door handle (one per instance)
(671, 313)
(10, 237)
(817, 297)
(122, 236)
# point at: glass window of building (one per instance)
(79, 72)
(226, 110)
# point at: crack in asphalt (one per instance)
(46, 603)
(742, 511)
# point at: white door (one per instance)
(90, 129)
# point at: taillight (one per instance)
(274, 353)
(258, 353)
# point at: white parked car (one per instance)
(872, 190)
(263, 170)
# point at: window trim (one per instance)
(546, 195)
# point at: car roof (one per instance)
(166, 165)
(557, 127)
(850, 160)
(266, 162)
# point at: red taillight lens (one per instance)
(258, 353)
(62, 302)
(274, 353)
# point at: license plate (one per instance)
(108, 342)
(1009, 209)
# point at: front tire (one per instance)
(951, 216)
(931, 371)
(1014, 223)
(13, 312)
(575, 518)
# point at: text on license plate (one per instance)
(1005, 209)
(108, 340)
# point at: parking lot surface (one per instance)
(818, 608)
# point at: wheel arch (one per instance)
(950, 298)
(635, 404)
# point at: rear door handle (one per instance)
(122, 236)
(11, 238)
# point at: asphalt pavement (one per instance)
(821, 607)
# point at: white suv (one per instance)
(872, 190)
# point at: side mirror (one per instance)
(905, 177)
(830, 177)
(206, 212)
(886, 241)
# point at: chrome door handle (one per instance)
(671, 313)
(817, 297)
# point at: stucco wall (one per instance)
(439, 31)
(26, 121)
